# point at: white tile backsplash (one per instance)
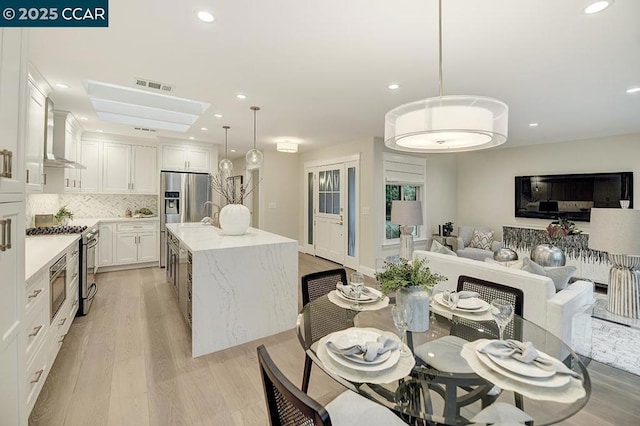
(88, 205)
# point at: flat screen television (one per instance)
(571, 197)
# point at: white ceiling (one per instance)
(320, 69)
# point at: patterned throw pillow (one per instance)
(481, 239)
(439, 248)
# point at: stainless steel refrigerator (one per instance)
(182, 198)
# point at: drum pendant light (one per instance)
(225, 165)
(446, 123)
(254, 156)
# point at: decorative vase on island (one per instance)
(418, 300)
(548, 255)
(234, 219)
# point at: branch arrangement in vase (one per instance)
(230, 192)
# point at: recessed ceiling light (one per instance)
(203, 128)
(597, 6)
(634, 90)
(241, 96)
(217, 115)
(205, 16)
(63, 85)
(191, 138)
(533, 124)
(83, 118)
(290, 147)
(393, 86)
(99, 130)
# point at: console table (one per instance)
(592, 264)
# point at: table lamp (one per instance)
(617, 232)
(406, 214)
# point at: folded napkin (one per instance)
(371, 350)
(526, 353)
(350, 291)
(451, 297)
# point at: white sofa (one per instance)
(542, 305)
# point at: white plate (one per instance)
(520, 368)
(482, 305)
(555, 381)
(358, 336)
(377, 296)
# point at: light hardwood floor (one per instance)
(129, 363)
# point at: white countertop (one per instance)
(43, 249)
(202, 237)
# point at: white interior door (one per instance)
(329, 213)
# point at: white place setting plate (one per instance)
(471, 305)
(359, 336)
(374, 296)
(554, 381)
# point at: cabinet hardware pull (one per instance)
(75, 302)
(74, 183)
(34, 294)
(7, 157)
(6, 234)
(27, 175)
(66, 184)
(74, 276)
(35, 331)
(62, 321)
(61, 338)
(37, 376)
(44, 178)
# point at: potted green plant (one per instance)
(63, 216)
(447, 229)
(412, 282)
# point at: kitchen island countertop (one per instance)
(203, 237)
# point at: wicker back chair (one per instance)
(490, 291)
(316, 285)
(286, 404)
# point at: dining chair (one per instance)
(316, 285)
(288, 405)
(464, 330)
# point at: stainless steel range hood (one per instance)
(54, 148)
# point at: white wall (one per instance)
(485, 191)
(280, 205)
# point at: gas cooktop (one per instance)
(53, 230)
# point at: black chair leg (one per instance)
(306, 374)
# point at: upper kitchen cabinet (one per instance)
(13, 71)
(72, 150)
(35, 142)
(129, 168)
(186, 158)
(90, 159)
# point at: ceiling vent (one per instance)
(153, 85)
(144, 129)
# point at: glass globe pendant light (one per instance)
(446, 123)
(225, 165)
(254, 156)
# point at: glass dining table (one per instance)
(446, 385)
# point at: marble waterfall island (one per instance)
(243, 287)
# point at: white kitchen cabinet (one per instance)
(72, 150)
(90, 158)
(129, 168)
(13, 54)
(105, 244)
(144, 172)
(116, 166)
(136, 242)
(12, 341)
(186, 158)
(35, 142)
